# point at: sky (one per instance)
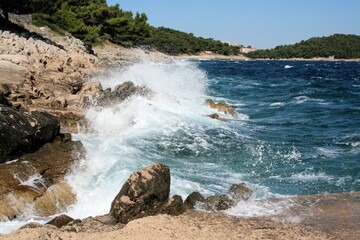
(260, 23)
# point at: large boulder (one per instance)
(146, 193)
(22, 132)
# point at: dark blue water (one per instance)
(302, 135)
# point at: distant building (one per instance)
(243, 49)
(248, 49)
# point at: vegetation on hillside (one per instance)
(94, 22)
(339, 46)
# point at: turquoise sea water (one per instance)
(297, 132)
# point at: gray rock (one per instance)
(240, 192)
(192, 199)
(218, 203)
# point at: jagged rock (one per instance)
(223, 107)
(219, 203)
(192, 199)
(240, 192)
(60, 221)
(36, 179)
(143, 194)
(21, 132)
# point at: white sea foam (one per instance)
(31, 181)
(306, 177)
(258, 208)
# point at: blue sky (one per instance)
(261, 23)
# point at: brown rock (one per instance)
(35, 179)
(60, 221)
(223, 107)
(143, 194)
(217, 117)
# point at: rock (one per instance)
(217, 117)
(32, 225)
(21, 132)
(143, 194)
(218, 203)
(174, 206)
(240, 192)
(192, 199)
(60, 221)
(4, 101)
(35, 180)
(223, 107)
(11, 73)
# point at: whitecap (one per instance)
(277, 104)
(310, 177)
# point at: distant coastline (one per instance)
(213, 56)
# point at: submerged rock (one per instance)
(146, 193)
(222, 107)
(217, 117)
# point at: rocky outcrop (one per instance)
(34, 182)
(146, 193)
(222, 107)
(236, 193)
(22, 132)
(92, 93)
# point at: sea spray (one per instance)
(169, 126)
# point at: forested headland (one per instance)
(338, 46)
(94, 22)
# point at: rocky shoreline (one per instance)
(47, 83)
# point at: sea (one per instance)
(297, 133)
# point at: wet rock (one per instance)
(35, 180)
(60, 221)
(21, 132)
(240, 192)
(217, 117)
(192, 199)
(143, 194)
(219, 203)
(222, 107)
